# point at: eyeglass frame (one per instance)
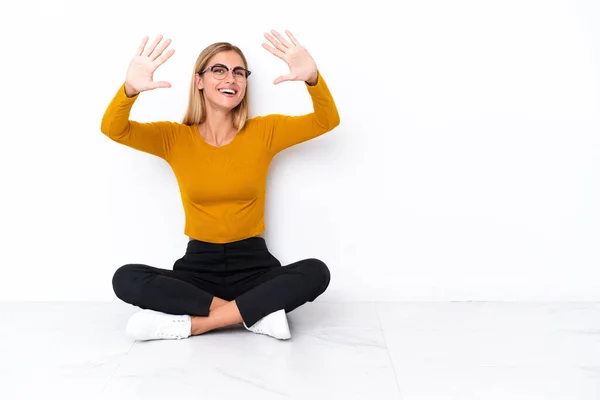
(248, 72)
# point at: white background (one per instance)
(466, 165)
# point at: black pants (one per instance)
(244, 271)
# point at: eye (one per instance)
(239, 72)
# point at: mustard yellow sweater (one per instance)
(222, 188)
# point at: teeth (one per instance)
(228, 91)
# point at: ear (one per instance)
(199, 82)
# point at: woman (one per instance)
(220, 159)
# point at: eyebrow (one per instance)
(225, 65)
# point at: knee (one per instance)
(319, 274)
(122, 282)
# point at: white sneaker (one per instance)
(151, 325)
(274, 324)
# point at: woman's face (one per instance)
(223, 81)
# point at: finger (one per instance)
(150, 49)
(275, 43)
(283, 78)
(161, 60)
(155, 54)
(281, 38)
(274, 51)
(296, 43)
(160, 84)
(142, 45)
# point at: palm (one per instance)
(140, 74)
(301, 64)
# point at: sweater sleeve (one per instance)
(283, 131)
(155, 138)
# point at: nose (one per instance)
(229, 76)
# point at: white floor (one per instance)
(410, 351)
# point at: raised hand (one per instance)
(141, 68)
(302, 66)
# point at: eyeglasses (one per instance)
(219, 71)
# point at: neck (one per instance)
(218, 127)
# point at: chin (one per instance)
(226, 104)
(230, 104)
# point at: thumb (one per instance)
(160, 84)
(284, 78)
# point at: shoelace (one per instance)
(172, 329)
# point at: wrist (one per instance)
(312, 81)
(129, 91)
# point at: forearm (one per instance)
(151, 137)
(116, 117)
(325, 110)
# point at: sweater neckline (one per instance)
(196, 132)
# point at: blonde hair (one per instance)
(196, 110)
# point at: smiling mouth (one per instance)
(229, 92)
